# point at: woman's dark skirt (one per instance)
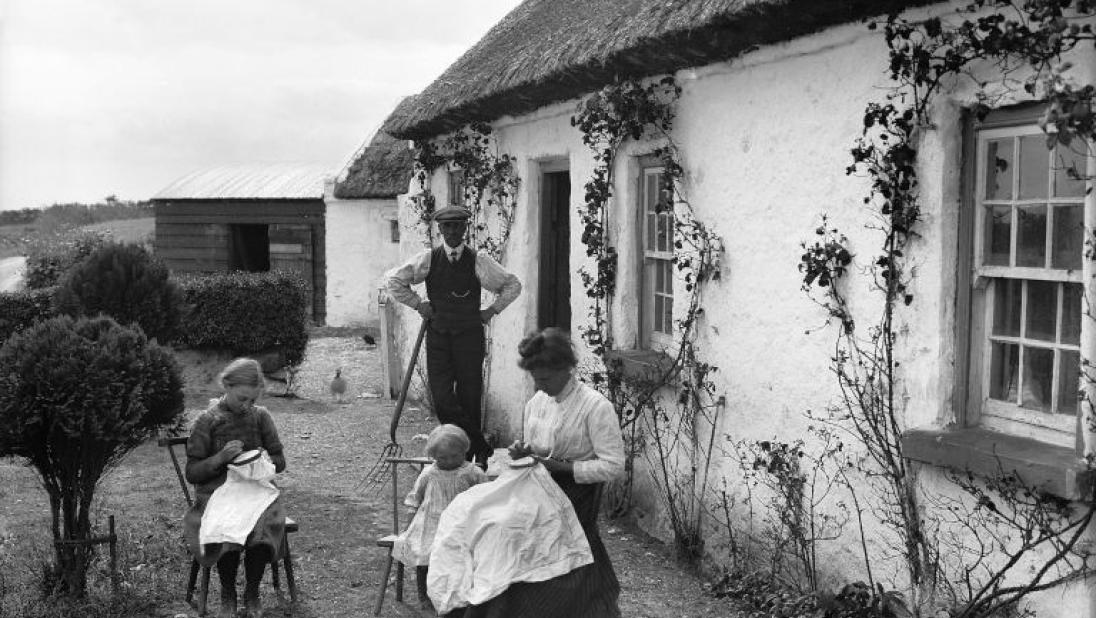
(590, 591)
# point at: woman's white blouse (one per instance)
(580, 426)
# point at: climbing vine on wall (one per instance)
(679, 454)
(489, 184)
(1022, 44)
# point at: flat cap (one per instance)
(452, 213)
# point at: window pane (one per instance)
(1038, 378)
(652, 192)
(1034, 166)
(1069, 374)
(1006, 307)
(1069, 235)
(1071, 313)
(658, 314)
(659, 275)
(663, 233)
(999, 169)
(1002, 379)
(998, 232)
(1069, 171)
(669, 278)
(1031, 236)
(1042, 310)
(668, 320)
(651, 232)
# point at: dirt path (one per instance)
(328, 448)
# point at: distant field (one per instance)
(14, 239)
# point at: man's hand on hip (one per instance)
(425, 309)
(487, 314)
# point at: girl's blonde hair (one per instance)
(447, 436)
(243, 372)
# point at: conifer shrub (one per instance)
(246, 313)
(76, 396)
(127, 283)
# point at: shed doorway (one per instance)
(250, 247)
(554, 290)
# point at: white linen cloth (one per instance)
(235, 507)
(520, 527)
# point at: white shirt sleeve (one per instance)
(603, 431)
(401, 278)
(496, 279)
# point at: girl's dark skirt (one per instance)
(590, 591)
(268, 532)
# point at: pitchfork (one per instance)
(376, 475)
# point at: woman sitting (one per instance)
(573, 431)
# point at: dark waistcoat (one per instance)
(454, 291)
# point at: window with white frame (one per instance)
(1026, 286)
(657, 293)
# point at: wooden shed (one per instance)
(254, 217)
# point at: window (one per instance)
(456, 188)
(1026, 289)
(657, 293)
(394, 230)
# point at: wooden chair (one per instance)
(287, 560)
(386, 541)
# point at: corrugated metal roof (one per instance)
(250, 181)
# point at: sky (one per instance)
(122, 97)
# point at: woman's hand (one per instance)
(519, 449)
(231, 449)
(555, 465)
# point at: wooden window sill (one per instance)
(643, 364)
(1055, 469)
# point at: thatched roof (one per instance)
(546, 51)
(250, 181)
(382, 168)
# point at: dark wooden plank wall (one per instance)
(193, 236)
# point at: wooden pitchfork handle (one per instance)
(406, 383)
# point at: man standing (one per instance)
(455, 274)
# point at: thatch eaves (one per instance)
(547, 51)
(382, 169)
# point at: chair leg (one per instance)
(203, 593)
(287, 560)
(192, 581)
(384, 585)
(399, 581)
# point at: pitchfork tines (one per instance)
(375, 475)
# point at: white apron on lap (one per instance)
(235, 507)
(519, 528)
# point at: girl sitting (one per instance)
(434, 489)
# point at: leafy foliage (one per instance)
(76, 396)
(48, 259)
(246, 313)
(125, 282)
(19, 310)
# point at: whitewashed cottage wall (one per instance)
(359, 250)
(765, 142)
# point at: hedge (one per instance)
(246, 313)
(19, 310)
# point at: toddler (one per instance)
(434, 489)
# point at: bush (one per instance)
(127, 283)
(48, 259)
(19, 310)
(76, 396)
(247, 313)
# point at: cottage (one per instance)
(989, 331)
(252, 217)
(363, 233)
